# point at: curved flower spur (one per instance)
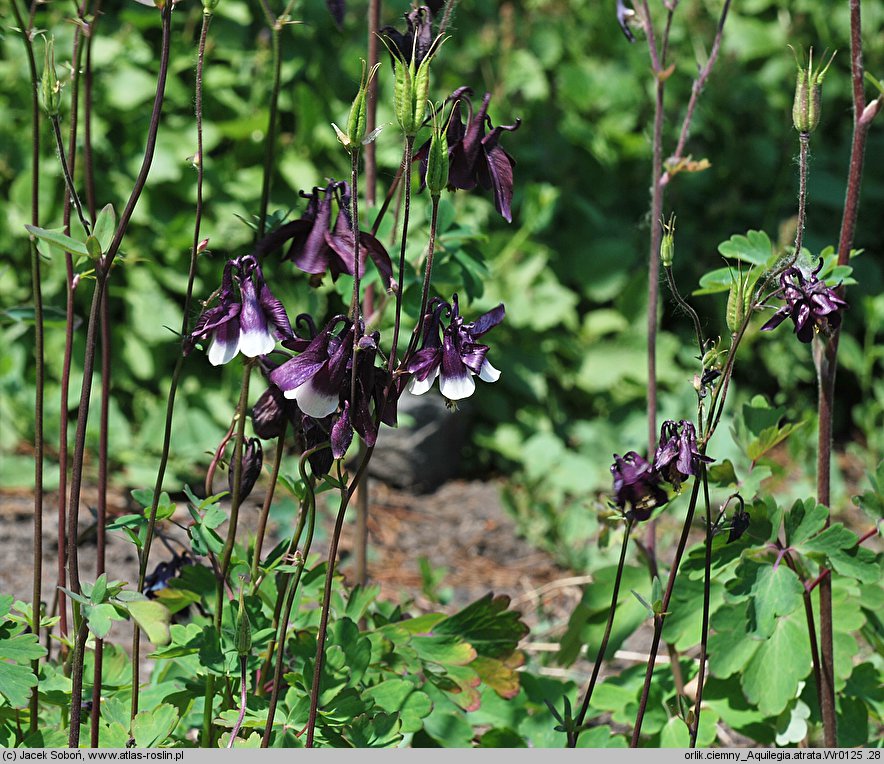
(452, 353)
(248, 318)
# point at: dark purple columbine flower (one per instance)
(813, 306)
(636, 486)
(252, 461)
(320, 379)
(249, 323)
(417, 39)
(158, 579)
(624, 15)
(454, 355)
(475, 153)
(318, 246)
(677, 456)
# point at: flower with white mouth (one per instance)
(455, 357)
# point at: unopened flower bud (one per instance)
(51, 87)
(356, 121)
(808, 95)
(437, 161)
(243, 628)
(667, 243)
(252, 461)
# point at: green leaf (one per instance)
(803, 520)
(487, 624)
(21, 648)
(153, 618)
(842, 553)
(59, 240)
(6, 601)
(771, 678)
(723, 474)
(99, 590)
(792, 723)
(100, 618)
(730, 647)
(675, 734)
(105, 225)
(872, 501)
(151, 728)
(93, 247)
(777, 591)
(16, 682)
(754, 247)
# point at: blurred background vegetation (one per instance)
(571, 268)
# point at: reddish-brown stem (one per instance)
(704, 627)
(826, 353)
(660, 619)
(371, 103)
(39, 359)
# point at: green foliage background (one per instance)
(571, 268)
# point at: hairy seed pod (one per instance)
(667, 243)
(403, 97)
(437, 162)
(736, 311)
(806, 108)
(50, 86)
(243, 629)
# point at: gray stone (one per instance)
(424, 451)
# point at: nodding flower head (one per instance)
(452, 352)
(248, 318)
(316, 246)
(637, 488)
(677, 456)
(812, 306)
(475, 153)
(320, 380)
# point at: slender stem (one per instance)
(697, 89)
(804, 143)
(811, 630)
(371, 103)
(308, 512)
(326, 597)
(659, 620)
(360, 531)
(450, 5)
(39, 357)
(101, 509)
(179, 362)
(704, 628)
(354, 301)
(227, 551)
(77, 680)
(428, 275)
(270, 139)
(68, 179)
(686, 306)
(89, 166)
(243, 688)
(409, 147)
(265, 509)
(600, 656)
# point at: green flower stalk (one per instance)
(808, 94)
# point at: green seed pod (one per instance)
(51, 87)
(403, 98)
(243, 629)
(356, 121)
(667, 243)
(437, 161)
(421, 92)
(738, 299)
(209, 6)
(806, 108)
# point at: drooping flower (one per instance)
(417, 38)
(624, 17)
(452, 353)
(317, 246)
(158, 579)
(677, 456)
(320, 379)
(476, 155)
(250, 323)
(812, 306)
(636, 486)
